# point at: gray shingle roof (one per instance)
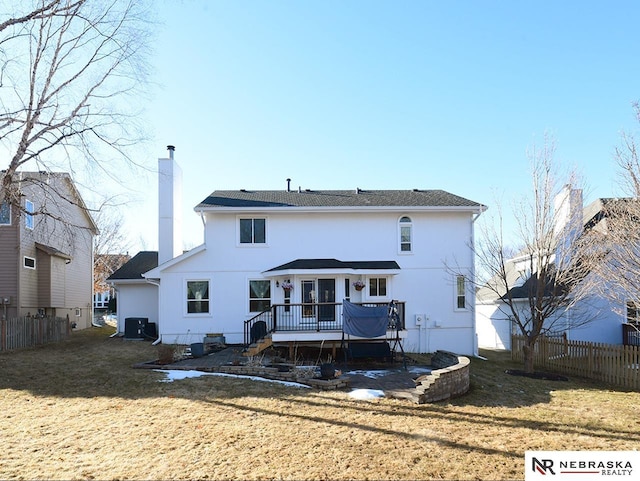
(335, 264)
(334, 198)
(142, 262)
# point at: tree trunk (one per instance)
(528, 356)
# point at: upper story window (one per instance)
(377, 287)
(28, 216)
(5, 213)
(198, 297)
(29, 262)
(461, 296)
(253, 231)
(406, 234)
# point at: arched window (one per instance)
(405, 234)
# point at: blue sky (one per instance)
(384, 95)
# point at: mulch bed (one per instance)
(537, 375)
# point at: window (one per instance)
(308, 289)
(347, 289)
(287, 300)
(377, 287)
(405, 234)
(633, 312)
(78, 312)
(253, 231)
(461, 297)
(28, 217)
(259, 295)
(29, 262)
(197, 297)
(5, 213)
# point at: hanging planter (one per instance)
(359, 285)
(287, 286)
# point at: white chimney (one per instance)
(169, 208)
(568, 212)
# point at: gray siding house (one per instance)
(46, 251)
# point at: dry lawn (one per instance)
(77, 410)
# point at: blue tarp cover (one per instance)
(364, 321)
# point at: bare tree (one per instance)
(541, 283)
(67, 68)
(618, 233)
(111, 248)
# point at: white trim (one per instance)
(248, 293)
(185, 299)
(400, 225)
(252, 244)
(24, 262)
(155, 272)
(366, 289)
(350, 209)
(456, 293)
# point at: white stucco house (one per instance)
(289, 258)
(593, 319)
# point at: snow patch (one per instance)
(177, 374)
(366, 394)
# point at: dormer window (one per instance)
(405, 233)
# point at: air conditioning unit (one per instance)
(134, 327)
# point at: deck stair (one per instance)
(258, 346)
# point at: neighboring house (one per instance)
(46, 251)
(604, 318)
(136, 297)
(290, 258)
(104, 265)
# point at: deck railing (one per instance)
(631, 334)
(308, 317)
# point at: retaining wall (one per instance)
(450, 378)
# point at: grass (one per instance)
(77, 410)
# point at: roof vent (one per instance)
(243, 190)
(288, 185)
(358, 190)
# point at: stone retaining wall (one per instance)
(450, 378)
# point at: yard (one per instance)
(77, 410)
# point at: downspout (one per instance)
(157, 284)
(473, 274)
(117, 292)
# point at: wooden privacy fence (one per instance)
(31, 331)
(618, 365)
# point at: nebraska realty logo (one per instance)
(581, 465)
